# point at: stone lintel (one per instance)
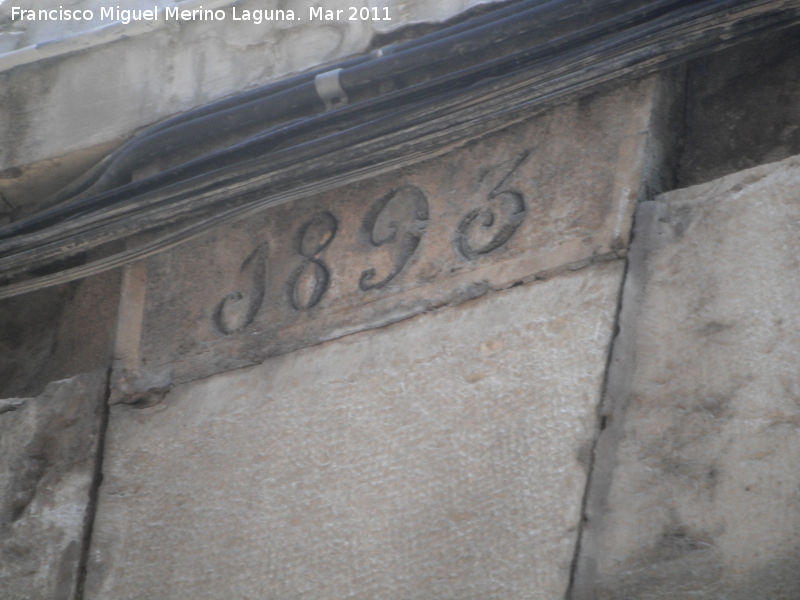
(551, 194)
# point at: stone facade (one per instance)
(435, 435)
(696, 491)
(465, 378)
(442, 456)
(506, 209)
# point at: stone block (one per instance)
(444, 456)
(552, 193)
(696, 490)
(48, 453)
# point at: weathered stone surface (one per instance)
(554, 192)
(742, 108)
(57, 333)
(696, 490)
(48, 448)
(440, 457)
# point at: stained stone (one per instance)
(752, 93)
(40, 332)
(696, 490)
(440, 457)
(48, 449)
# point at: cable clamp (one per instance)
(385, 51)
(329, 89)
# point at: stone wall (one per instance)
(456, 318)
(48, 467)
(441, 456)
(433, 437)
(503, 210)
(695, 491)
(462, 379)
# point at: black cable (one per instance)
(636, 49)
(89, 179)
(470, 38)
(557, 49)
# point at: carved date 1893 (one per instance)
(394, 225)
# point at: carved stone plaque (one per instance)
(550, 194)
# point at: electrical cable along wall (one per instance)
(364, 116)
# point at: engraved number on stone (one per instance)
(309, 282)
(399, 219)
(237, 310)
(485, 229)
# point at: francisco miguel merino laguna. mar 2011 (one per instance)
(256, 16)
